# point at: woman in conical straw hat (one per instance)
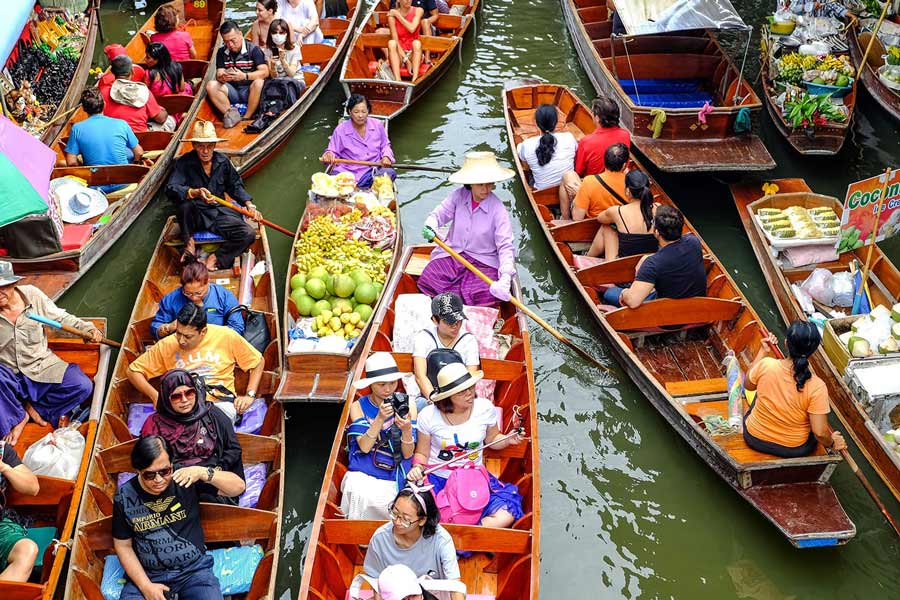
(480, 231)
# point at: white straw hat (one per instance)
(453, 378)
(78, 203)
(481, 167)
(204, 132)
(380, 367)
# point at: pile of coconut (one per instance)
(875, 333)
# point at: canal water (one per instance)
(629, 510)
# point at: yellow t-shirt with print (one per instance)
(220, 350)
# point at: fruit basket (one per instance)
(821, 89)
(890, 76)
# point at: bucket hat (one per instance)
(7, 276)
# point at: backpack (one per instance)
(465, 495)
(439, 358)
(278, 95)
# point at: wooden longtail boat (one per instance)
(79, 79)
(55, 273)
(888, 98)
(669, 77)
(390, 98)
(56, 504)
(884, 285)
(221, 523)
(334, 555)
(680, 370)
(324, 376)
(250, 151)
(816, 140)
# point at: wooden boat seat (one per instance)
(333, 27)
(176, 104)
(669, 312)
(700, 387)
(446, 22)
(665, 66)
(105, 174)
(734, 443)
(194, 69)
(471, 538)
(317, 54)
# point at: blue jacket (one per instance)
(218, 301)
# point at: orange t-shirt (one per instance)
(781, 413)
(593, 197)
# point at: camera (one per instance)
(400, 402)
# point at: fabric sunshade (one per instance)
(15, 16)
(25, 168)
(642, 17)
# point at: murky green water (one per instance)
(628, 509)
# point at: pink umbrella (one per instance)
(32, 158)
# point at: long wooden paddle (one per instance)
(70, 329)
(853, 466)
(865, 56)
(247, 213)
(515, 301)
(368, 163)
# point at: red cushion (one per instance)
(404, 72)
(75, 236)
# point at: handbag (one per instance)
(465, 495)
(256, 329)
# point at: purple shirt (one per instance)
(346, 143)
(487, 238)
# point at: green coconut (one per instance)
(888, 346)
(895, 312)
(895, 331)
(859, 347)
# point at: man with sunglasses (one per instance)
(156, 527)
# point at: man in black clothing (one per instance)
(676, 270)
(197, 177)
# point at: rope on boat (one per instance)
(56, 544)
(659, 117)
(737, 88)
(637, 93)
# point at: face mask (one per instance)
(279, 38)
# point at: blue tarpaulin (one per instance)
(15, 16)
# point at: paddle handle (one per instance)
(515, 301)
(465, 453)
(247, 213)
(70, 329)
(862, 63)
(369, 163)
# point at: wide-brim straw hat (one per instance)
(454, 378)
(481, 167)
(78, 203)
(380, 367)
(204, 132)
(129, 93)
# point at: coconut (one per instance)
(895, 331)
(880, 312)
(887, 346)
(855, 325)
(859, 347)
(845, 338)
(889, 436)
(895, 312)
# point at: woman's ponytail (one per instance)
(545, 117)
(638, 184)
(803, 339)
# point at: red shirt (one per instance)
(137, 74)
(591, 148)
(135, 117)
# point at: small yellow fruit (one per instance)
(356, 332)
(335, 323)
(326, 315)
(354, 318)
(345, 318)
(348, 328)
(323, 332)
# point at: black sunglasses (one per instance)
(152, 475)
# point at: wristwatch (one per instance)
(209, 474)
(251, 393)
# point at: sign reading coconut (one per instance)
(860, 208)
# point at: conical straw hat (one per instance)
(481, 167)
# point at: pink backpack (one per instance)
(466, 494)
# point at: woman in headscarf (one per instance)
(480, 231)
(198, 434)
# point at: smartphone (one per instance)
(276, 52)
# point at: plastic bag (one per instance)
(57, 454)
(842, 289)
(819, 285)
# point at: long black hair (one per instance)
(545, 117)
(638, 185)
(429, 512)
(802, 340)
(166, 69)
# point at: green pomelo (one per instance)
(360, 277)
(329, 284)
(318, 307)
(364, 311)
(296, 295)
(819, 80)
(344, 286)
(842, 81)
(318, 273)
(365, 293)
(304, 304)
(298, 281)
(316, 288)
(378, 287)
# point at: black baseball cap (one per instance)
(448, 307)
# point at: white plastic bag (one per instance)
(819, 286)
(842, 287)
(57, 454)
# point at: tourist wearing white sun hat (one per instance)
(480, 231)
(380, 441)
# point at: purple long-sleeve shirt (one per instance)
(346, 143)
(484, 233)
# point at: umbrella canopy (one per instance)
(25, 168)
(642, 17)
(15, 15)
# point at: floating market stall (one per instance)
(47, 53)
(347, 245)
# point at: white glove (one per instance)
(500, 288)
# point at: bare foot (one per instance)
(34, 415)
(13, 436)
(211, 262)
(189, 248)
